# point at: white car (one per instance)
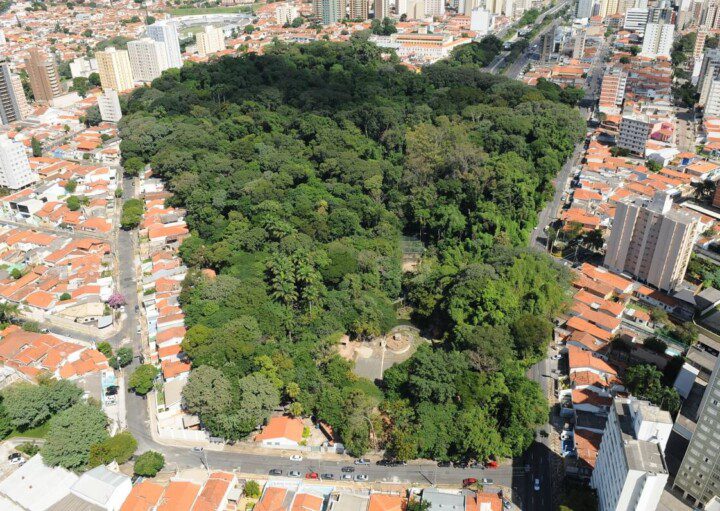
(296, 457)
(537, 484)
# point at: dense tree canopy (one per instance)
(299, 170)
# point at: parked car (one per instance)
(276, 472)
(537, 484)
(556, 357)
(296, 457)
(15, 457)
(294, 473)
(312, 475)
(444, 464)
(485, 480)
(348, 469)
(327, 476)
(468, 481)
(477, 464)
(361, 477)
(362, 461)
(491, 464)
(112, 390)
(346, 477)
(197, 449)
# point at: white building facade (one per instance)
(165, 31)
(109, 104)
(15, 169)
(148, 59)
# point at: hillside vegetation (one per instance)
(299, 170)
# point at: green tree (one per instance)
(73, 203)
(71, 435)
(71, 186)
(122, 358)
(29, 406)
(132, 212)
(37, 149)
(252, 489)
(149, 463)
(94, 80)
(119, 448)
(142, 379)
(105, 349)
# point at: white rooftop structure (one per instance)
(35, 486)
(103, 487)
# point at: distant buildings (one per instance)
(658, 40)
(114, 68)
(13, 104)
(165, 31)
(285, 13)
(359, 9)
(109, 105)
(329, 11)
(651, 241)
(630, 472)
(210, 40)
(434, 7)
(382, 9)
(43, 74)
(699, 474)
(148, 59)
(15, 169)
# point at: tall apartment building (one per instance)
(709, 71)
(434, 7)
(381, 9)
(11, 108)
(612, 92)
(20, 95)
(634, 133)
(547, 43)
(165, 31)
(480, 20)
(699, 474)
(584, 9)
(210, 40)
(651, 241)
(329, 11)
(359, 9)
(636, 20)
(658, 40)
(114, 68)
(148, 59)
(608, 7)
(285, 13)
(109, 105)
(15, 169)
(700, 39)
(660, 14)
(43, 74)
(712, 99)
(630, 471)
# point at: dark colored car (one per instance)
(327, 476)
(444, 464)
(276, 472)
(348, 469)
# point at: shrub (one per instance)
(149, 463)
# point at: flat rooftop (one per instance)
(640, 455)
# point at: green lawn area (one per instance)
(38, 432)
(187, 11)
